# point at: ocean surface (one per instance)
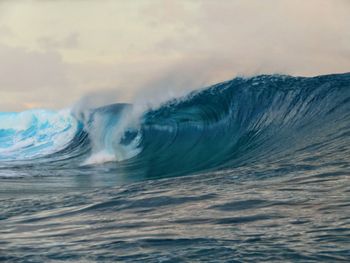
(249, 170)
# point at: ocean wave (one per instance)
(235, 123)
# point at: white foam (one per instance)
(100, 158)
(37, 133)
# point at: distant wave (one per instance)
(235, 123)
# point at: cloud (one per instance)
(252, 37)
(69, 42)
(31, 77)
(20, 68)
(43, 79)
(57, 52)
(5, 32)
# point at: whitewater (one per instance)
(251, 169)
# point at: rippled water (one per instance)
(249, 170)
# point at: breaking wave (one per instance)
(240, 122)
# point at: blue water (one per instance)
(249, 170)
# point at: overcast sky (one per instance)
(54, 52)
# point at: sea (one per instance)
(254, 169)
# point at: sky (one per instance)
(52, 53)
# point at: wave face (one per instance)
(237, 123)
(253, 170)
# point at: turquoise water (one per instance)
(253, 169)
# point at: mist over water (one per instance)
(249, 169)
